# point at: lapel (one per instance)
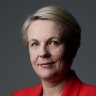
(73, 86)
(37, 91)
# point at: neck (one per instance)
(54, 88)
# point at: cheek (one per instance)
(59, 54)
(33, 56)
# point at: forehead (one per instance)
(44, 29)
(36, 24)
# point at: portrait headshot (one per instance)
(49, 54)
(52, 36)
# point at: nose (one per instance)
(44, 52)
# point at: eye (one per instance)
(54, 43)
(34, 44)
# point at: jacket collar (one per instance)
(73, 86)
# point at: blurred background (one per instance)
(15, 68)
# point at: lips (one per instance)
(46, 65)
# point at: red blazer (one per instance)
(74, 88)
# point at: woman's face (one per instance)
(46, 49)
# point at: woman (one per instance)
(52, 36)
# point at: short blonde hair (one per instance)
(61, 16)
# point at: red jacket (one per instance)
(74, 88)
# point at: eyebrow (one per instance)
(57, 38)
(47, 39)
(32, 40)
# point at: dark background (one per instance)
(15, 69)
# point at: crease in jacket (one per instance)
(74, 87)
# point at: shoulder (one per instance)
(87, 90)
(24, 92)
(29, 91)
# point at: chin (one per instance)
(46, 75)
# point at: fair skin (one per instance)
(46, 51)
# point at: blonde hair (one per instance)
(61, 16)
